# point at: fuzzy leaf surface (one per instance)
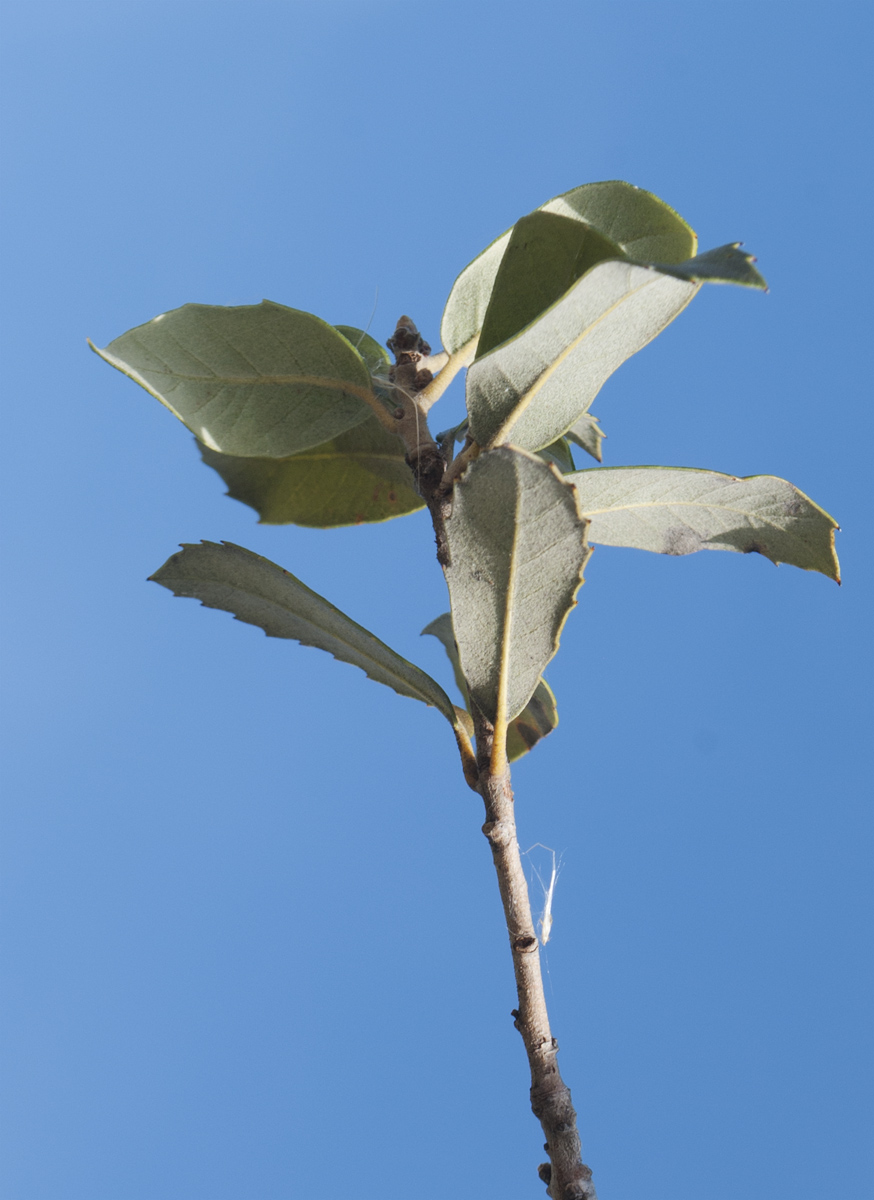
(258, 380)
(588, 435)
(644, 227)
(678, 510)
(545, 255)
(260, 593)
(532, 389)
(517, 546)
(537, 719)
(360, 476)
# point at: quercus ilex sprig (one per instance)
(315, 425)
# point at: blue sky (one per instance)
(252, 941)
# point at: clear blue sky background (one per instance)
(253, 946)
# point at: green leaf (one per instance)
(537, 719)
(260, 593)
(257, 380)
(532, 389)
(559, 454)
(375, 356)
(358, 477)
(644, 228)
(588, 434)
(517, 547)
(441, 628)
(725, 264)
(545, 255)
(677, 510)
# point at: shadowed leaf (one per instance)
(545, 255)
(678, 510)
(375, 356)
(256, 380)
(358, 477)
(537, 719)
(559, 454)
(644, 227)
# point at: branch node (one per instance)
(497, 832)
(524, 945)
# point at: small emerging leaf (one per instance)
(678, 510)
(537, 719)
(588, 434)
(358, 477)
(260, 593)
(559, 454)
(517, 547)
(257, 380)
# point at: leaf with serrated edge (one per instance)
(533, 388)
(678, 510)
(260, 593)
(645, 228)
(257, 380)
(536, 720)
(517, 547)
(360, 476)
(588, 435)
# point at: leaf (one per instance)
(538, 718)
(532, 389)
(260, 593)
(517, 547)
(374, 355)
(441, 628)
(678, 510)
(360, 476)
(545, 255)
(725, 264)
(256, 380)
(588, 434)
(448, 439)
(644, 228)
(536, 721)
(559, 454)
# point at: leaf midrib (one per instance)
(325, 629)
(543, 378)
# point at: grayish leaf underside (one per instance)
(537, 720)
(517, 548)
(533, 388)
(257, 380)
(678, 510)
(588, 434)
(644, 226)
(260, 593)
